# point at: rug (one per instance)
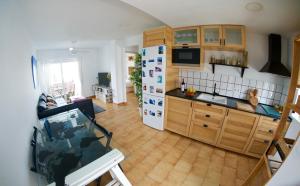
(98, 109)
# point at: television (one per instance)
(104, 79)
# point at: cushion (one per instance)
(42, 105)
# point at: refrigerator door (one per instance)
(153, 111)
(153, 70)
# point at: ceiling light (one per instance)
(71, 49)
(254, 6)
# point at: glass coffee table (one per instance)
(71, 149)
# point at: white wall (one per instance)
(18, 98)
(91, 62)
(114, 57)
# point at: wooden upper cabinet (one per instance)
(186, 36)
(211, 35)
(157, 36)
(178, 115)
(234, 37)
(223, 36)
(237, 130)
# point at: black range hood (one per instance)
(274, 64)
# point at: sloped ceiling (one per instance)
(277, 16)
(52, 22)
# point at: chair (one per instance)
(86, 107)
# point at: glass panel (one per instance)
(211, 35)
(233, 36)
(186, 36)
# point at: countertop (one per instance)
(231, 102)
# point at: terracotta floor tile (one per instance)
(155, 157)
(160, 171)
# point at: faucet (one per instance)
(214, 93)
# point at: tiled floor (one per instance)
(164, 158)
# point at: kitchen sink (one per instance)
(215, 99)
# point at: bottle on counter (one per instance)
(182, 86)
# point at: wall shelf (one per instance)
(237, 66)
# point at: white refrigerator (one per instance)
(153, 85)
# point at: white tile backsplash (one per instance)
(245, 82)
(223, 85)
(197, 75)
(230, 86)
(210, 83)
(224, 78)
(259, 84)
(266, 86)
(231, 79)
(264, 94)
(235, 86)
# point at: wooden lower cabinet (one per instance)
(257, 146)
(237, 130)
(262, 137)
(234, 130)
(202, 131)
(178, 115)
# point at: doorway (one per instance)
(130, 53)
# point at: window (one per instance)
(63, 79)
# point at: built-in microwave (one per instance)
(186, 56)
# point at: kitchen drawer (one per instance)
(208, 108)
(213, 119)
(266, 127)
(204, 132)
(258, 146)
(179, 105)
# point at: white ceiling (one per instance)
(277, 16)
(59, 22)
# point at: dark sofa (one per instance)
(48, 106)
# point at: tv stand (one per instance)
(103, 93)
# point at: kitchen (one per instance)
(214, 92)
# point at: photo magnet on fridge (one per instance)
(159, 90)
(144, 74)
(145, 112)
(160, 102)
(159, 79)
(157, 69)
(144, 63)
(144, 52)
(161, 50)
(145, 87)
(159, 113)
(159, 60)
(152, 113)
(151, 73)
(151, 89)
(151, 60)
(152, 101)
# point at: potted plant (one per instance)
(136, 79)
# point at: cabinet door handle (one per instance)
(204, 125)
(224, 42)
(184, 44)
(266, 141)
(270, 131)
(207, 115)
(220, 41)
(208, 104)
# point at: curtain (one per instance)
(60, 77)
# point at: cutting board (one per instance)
(245, 106)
